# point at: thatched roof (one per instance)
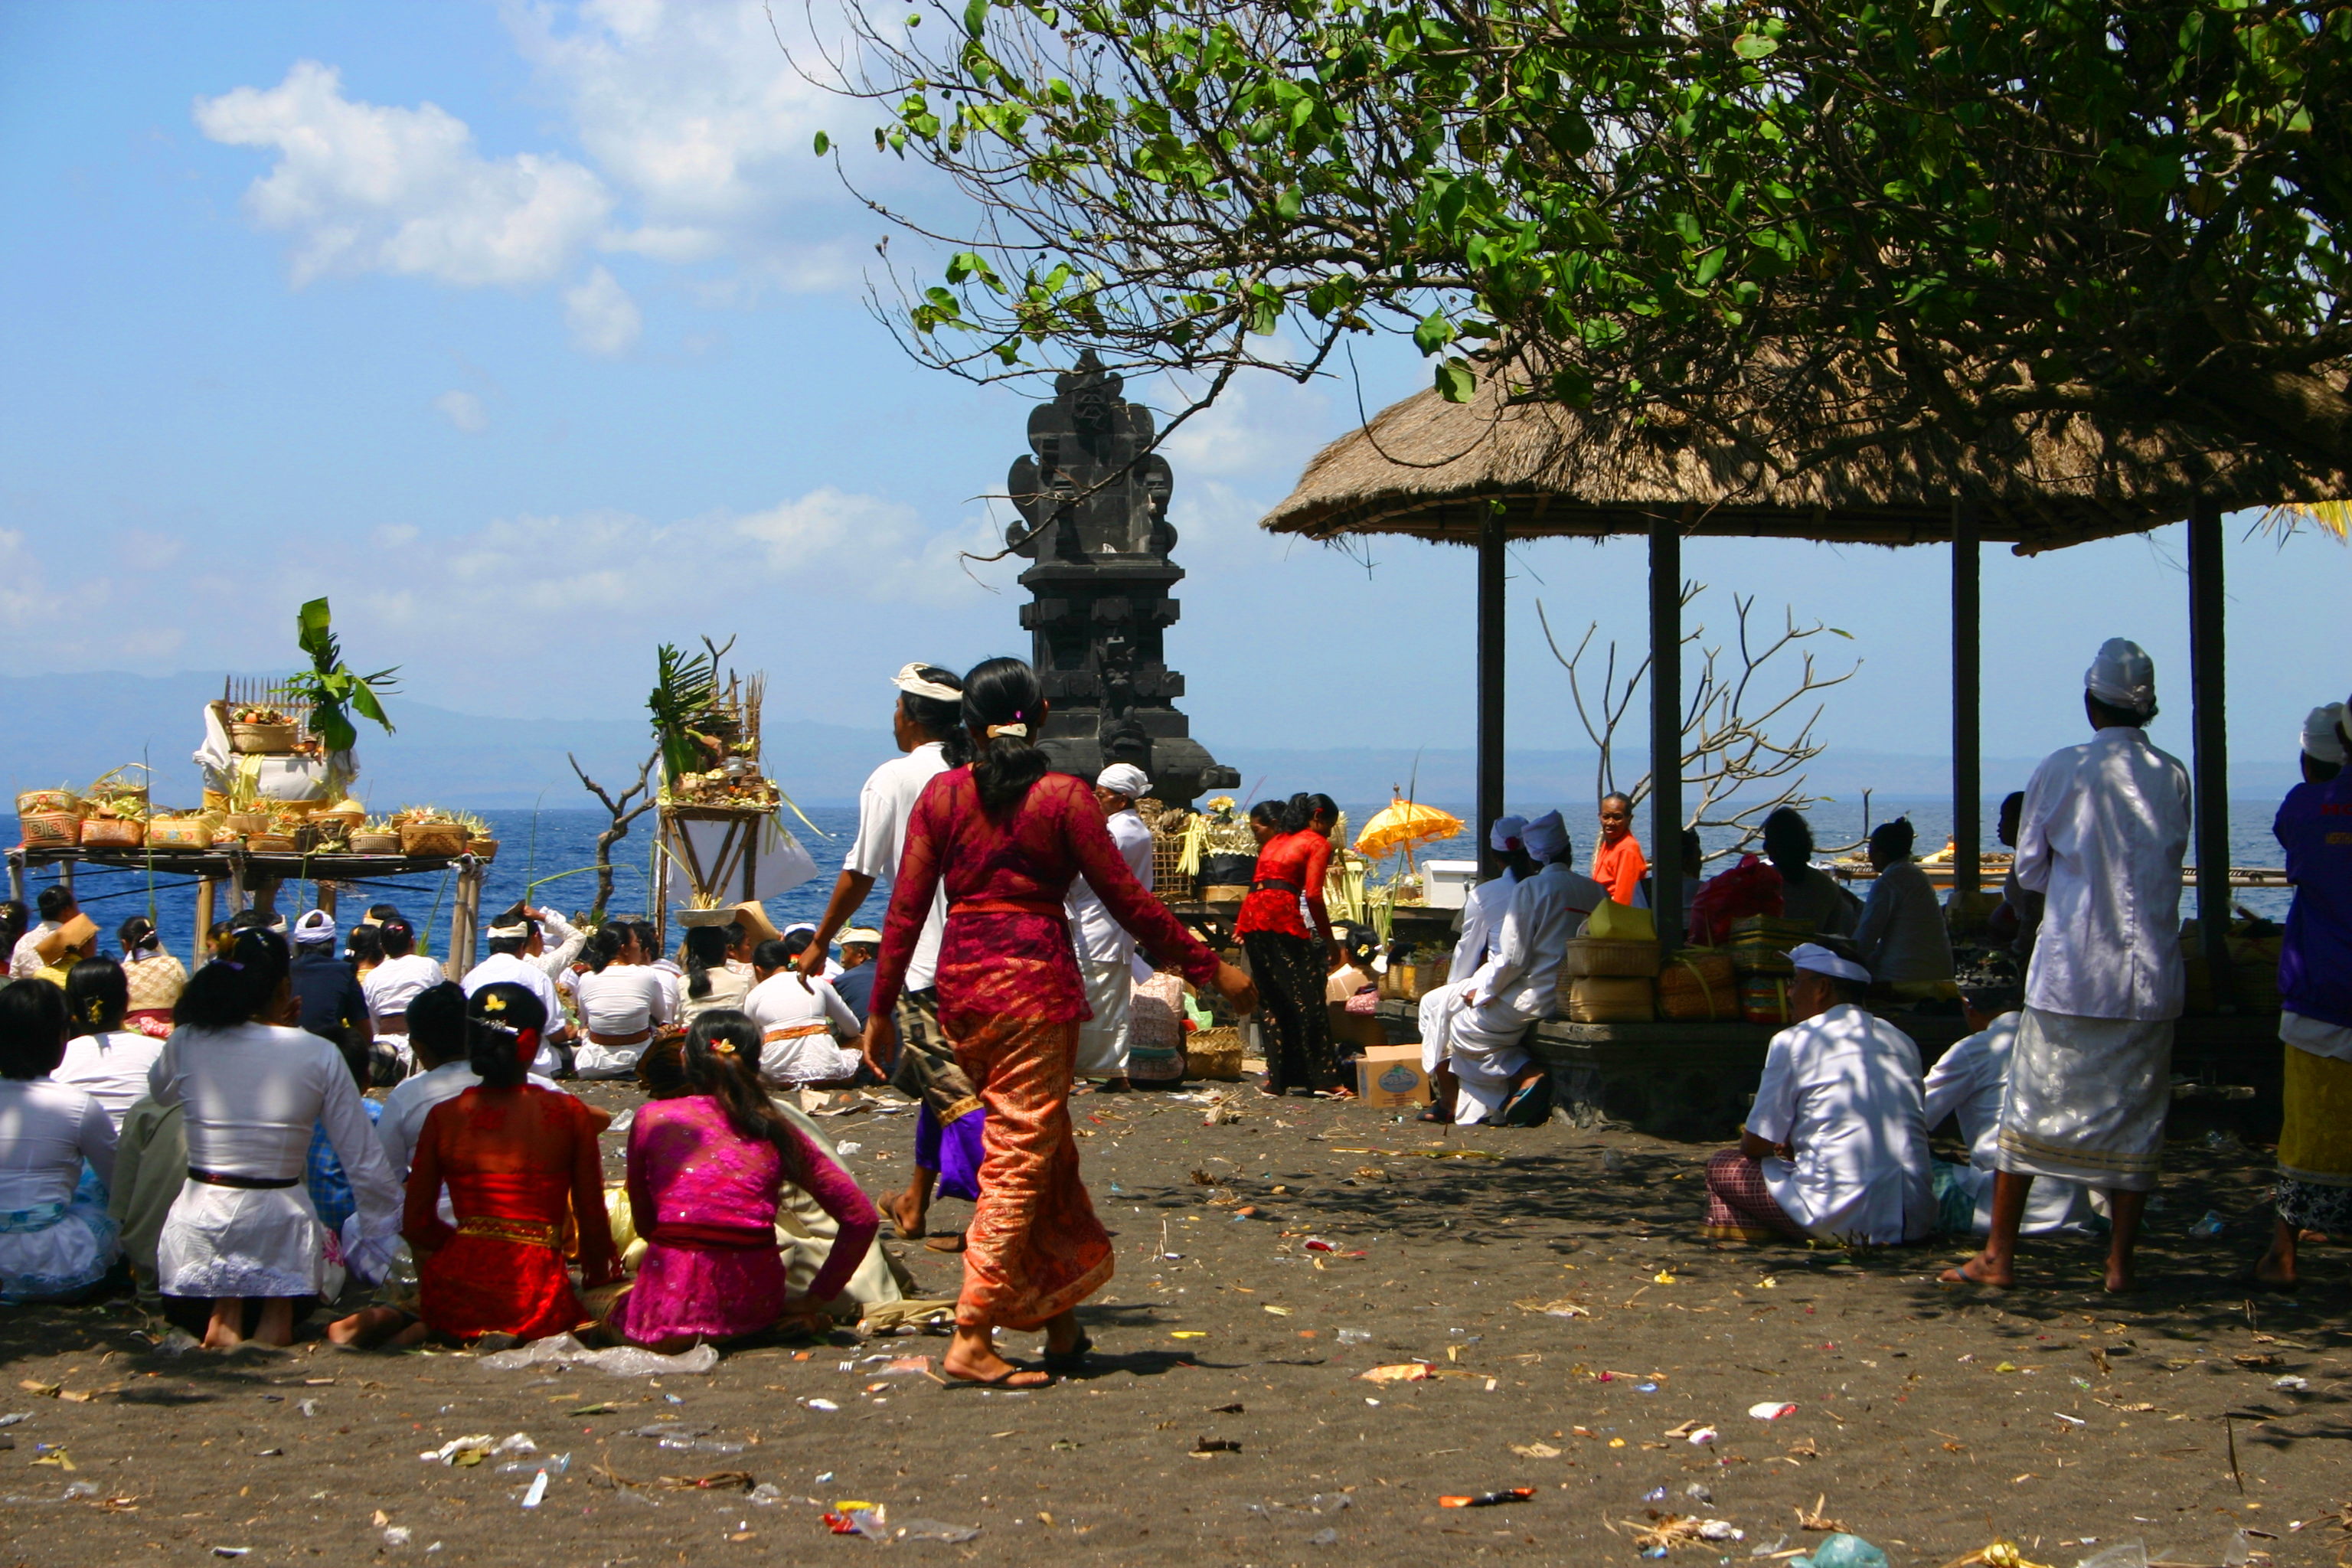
(1437, 470)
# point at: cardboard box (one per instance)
(1392, 1076)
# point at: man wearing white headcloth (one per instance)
(1476, 1026)
(1105, 952)
(928, 714)
(1482, 915)
(515, 947)
(1835, 1147)
(2101, 836)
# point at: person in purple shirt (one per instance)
(2314, 1153)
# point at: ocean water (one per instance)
(550, 854)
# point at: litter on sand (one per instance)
(621, 1360)
(1400, 1372)
(1771, 1410)
(1489, 1499)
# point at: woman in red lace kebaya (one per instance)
(1007, 838)
(1290, 959)
(519, 1161)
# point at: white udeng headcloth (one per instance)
(2123, 676)
(1125, 778)
(2321, 742)
(1819, 960)
(1508, 831)
(1546, 836)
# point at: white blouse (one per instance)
(112, 1066)
(785, 1002)
(625, 999)
(46, 1129)
(393, 984)
(253, 1094)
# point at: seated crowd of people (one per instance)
(232, 1166)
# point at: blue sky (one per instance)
(534, 335)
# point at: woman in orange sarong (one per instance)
(519, 1163)
(1007, 838)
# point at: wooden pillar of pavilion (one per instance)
(1491, 539)
(1667, 728)
(2210, 766)
(1968, 693)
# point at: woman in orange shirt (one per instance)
(1618, 863)
(1289, 962)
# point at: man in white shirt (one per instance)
(438, 1036)
(389, 986)
(929, 714)
(1105, 952)
(1835, 1147)
(2103, 832)
(516, 948)
(553, 962)
(1967, 1082)
(1476, 1023)
(57, 907)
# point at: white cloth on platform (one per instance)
(253, 1095)
(1106, 954)
(2086, 1097)
(883, 808)
(2103, 834)
(1844, 1089)
(112, 1066)
(1969, 1082)
(1476, 1025)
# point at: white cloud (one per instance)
(366, 188)
(693, 107)
(603, 318)
(464, 410)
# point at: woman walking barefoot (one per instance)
(1007, 838)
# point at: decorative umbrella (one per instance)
(1401, 824)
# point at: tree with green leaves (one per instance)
(1853, 218)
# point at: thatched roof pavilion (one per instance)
(1492, 469)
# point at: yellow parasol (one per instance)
(1401, 824)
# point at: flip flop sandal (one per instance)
(1002, 1380)
(1071, 1360)
(951, 1242)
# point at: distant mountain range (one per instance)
(69, 729)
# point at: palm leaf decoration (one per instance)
(332, 688)
(686, 688)
(2328, 515)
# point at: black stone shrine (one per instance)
(1093, 500)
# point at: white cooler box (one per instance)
(1446, 884)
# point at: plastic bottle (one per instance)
(1842, 1552)
(2209, 1226)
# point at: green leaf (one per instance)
(823, 143)
(1456, 382)
(975, 17)
(1754, 47)
(1433, 332)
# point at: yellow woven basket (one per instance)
(1213, 1054)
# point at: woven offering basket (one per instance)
(482, 848)
(432, 838)
(1213, 1054)
(1167, 856)
(179, 833)
(1597, 956)
(113, 833)
(261, 739)
(1698, 985)
(269, 842)
(47, 803)
(1764, 999)
(1610, 999)
(1224, 893)
(375, 843)
(51, 829)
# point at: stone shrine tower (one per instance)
(1094, 508)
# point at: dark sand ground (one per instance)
(1931, 1420)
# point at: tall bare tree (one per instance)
(622, 814)
(1741, 770)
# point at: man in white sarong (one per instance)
(1482, 916)
(2104, 831)
(1105, 950)
(1476, 1025)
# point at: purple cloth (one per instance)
(2314, 826)
(954, 1150)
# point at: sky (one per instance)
(535, 334)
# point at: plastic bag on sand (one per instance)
(1842, 1552)
(2126, 1554)
(622, 1361)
